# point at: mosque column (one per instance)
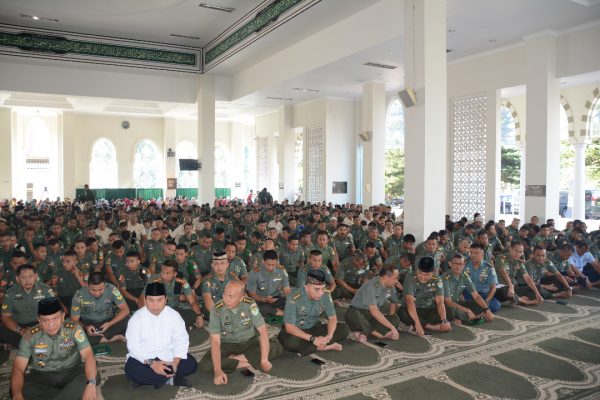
(542, 185)
(492, 176)
(206, 139)
(170, 142)
(373, 131)
(523, 153)
(579, 181)
(425, 123)
(6, 187)
(286, 146)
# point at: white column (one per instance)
(579, 182)
(286, 154)
(206, 139)
(170, 142)
(542, 185)
(523, 151)
(373, 125)
(425, 123)
(492, 176)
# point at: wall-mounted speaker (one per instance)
(408, 97)
(365, 136)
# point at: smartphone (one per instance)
(169, 370)
(247, 373)
(317, 361)
(380, 344)
(97, 330)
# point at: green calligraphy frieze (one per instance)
(264, 18)
(62, 45)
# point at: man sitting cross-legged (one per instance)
(456, 283)
(302, 332)
(158, 343)
(234, 343)
(364, 317)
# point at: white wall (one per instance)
(82, 130)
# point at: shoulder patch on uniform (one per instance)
(233, 275)
(34, 329)
(209, 276)
(219, 304)
(257, 269)
(280, 266)
(180, 280)
(297, 296)
(70, 325)
(248, 300)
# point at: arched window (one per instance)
(567, 164)
(594, 129)
(394, 152)
(103, 165)
(221, 165)
(147, 166)
(186, 179)
(592, 159)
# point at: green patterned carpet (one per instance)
(546, 352)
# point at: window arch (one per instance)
(394, 152)
(594, 120)
(103, 165)
(186, 179)
(147, 165)
(221, 165)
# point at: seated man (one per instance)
(94, 307)
(586, 263)
(457, 282)
(158, 343)
(483, 276)
(561, 259)
(350, 275)
(315, 262)
(132, 279)
(213, 284)
(512, 272)
(423, 300)
(67, 279)
(268, 285)
(234, 344)
(549, 282)
(364, 317)
(20, 306)
(302, 331)
(58, 349)
(180, 295)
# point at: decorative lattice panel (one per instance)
(468, 156)
(315, 164)
(263, 161)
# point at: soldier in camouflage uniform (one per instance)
(268, 285)
(512, 272)
(67, 279)
(292, 258)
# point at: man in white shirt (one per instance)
(103, 232)
(585, 263)
(158, 343)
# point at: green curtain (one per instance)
(148, 194)
(222, 192)
(187, 192)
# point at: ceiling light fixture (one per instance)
(492, 40)
(306, 90)
(278, 98)
(36, 18)
(184, 36)
(379, 65)
(452, 30)
(217, 8)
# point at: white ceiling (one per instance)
(475, 26)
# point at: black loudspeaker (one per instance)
(408, 97)
(188, 164)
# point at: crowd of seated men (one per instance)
(114, 266)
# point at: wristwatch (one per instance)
(91, 381)
(149, 362)
(485, 309)
(444, 321)
(312, 339)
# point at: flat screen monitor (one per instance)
(188, 164)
